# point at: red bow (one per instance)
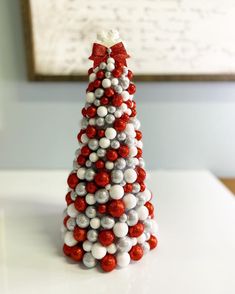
(100, 53)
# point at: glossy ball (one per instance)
(102, 111)
(132, 217)
(88, 260)
(110, 133)
(136, 230)
(69, 239)
(142, 212)
(102, 196)
(72, 180)
(77, 253)
(129, 201)
(107, 222)
(108, 263)
(79, 234)
(91, 211)
(92, 235)
(90, 199)
(80, 204)
(152, 242)
(116, 208)
(102, 179)
(130, 175)
(136, 252)
(71, 210)
(95, 223)
(117, 176)
(124, 244)
(106, 237)
(67, 250)
(106, 83)
(123, 259)
(82, 220)
(87, 245)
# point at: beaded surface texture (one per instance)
(109, 216)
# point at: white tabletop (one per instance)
(196, 253)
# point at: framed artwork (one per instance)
(168, 40)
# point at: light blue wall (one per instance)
(185, 125)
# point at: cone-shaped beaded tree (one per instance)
(109, 216)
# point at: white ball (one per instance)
(134, 241)
(115, 82)
(84, 138)
(72, 211)
(93, 157)
(128, 111)
(118, 113)
(147, 194)
(109, 165)
(154, 229)
(110, 59)
(106, 83)
(123, 107)
(130, 201)
(104, 143)
(92, 77)
(112, 248)
(110, 66)
(129, 130)
(98, 251)
(133, 151)
(92, 121)
(142, 212)
(81, 173)
(141, 239)
(90, 97)
(95, 223)
(120, 229)
(116, 192)
(123, 259)
(130, 175)
(69, 239)
(87, 245)
(102, 111)
(125, 95)
(110, 133)
(90, 199)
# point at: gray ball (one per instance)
(120, 163)
(110, 118)
(130, 141)
(93, 144)
(100, 121)
(145, 247)
(140, 199)
(123, 218)
(141, 162)
(84, 123)
(82, 220)
(101, 152)
(89, 174)
(135, 188)
(148, 225)
(88, 163)
(73, 195)
(115, 144)
(97, 102)
(92, 235)
(108, 74)
(81, 189)
(88, 260)
(111, 109)
(124, 244)
(71, 223)
(102, 65)
(121, 136)
(102, 196)
(99, 92)
(118, 89)
(132, 218)
(91, 211)
(117, 176)
(107, 222)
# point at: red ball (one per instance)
(104, 101)
(136, 252)
(91, 111)
(142, 187)
(102, 179)
(79, 234)
(136, 230)
(97, 83)
(123, 151)
(84, 111)
(106, 237)
(130, 75)
(108, 262)
(152, 242)
(90, 70)
(117, 72)
(111, 155)
(90, 132)
(102, 208)
(131, 89)
(81, 160)
(85, 151)
(100, 74)
(116, 208)
(65, 220)
(72, 180)
(99, 164)
(128, 188)
(150, 207)
(117, 100)
(101, 133)
(129, 103)
(91, 187)
(138, 135)
(119, 125)
(90, 87)
(133, 112)
(67, 250)
(141, 174)
(80, 204)
(77, 253)
(68, 198)
(109, 92)
(139, 153)
(125, 117)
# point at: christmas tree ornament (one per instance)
(109, 219)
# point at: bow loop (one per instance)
(101, 53)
